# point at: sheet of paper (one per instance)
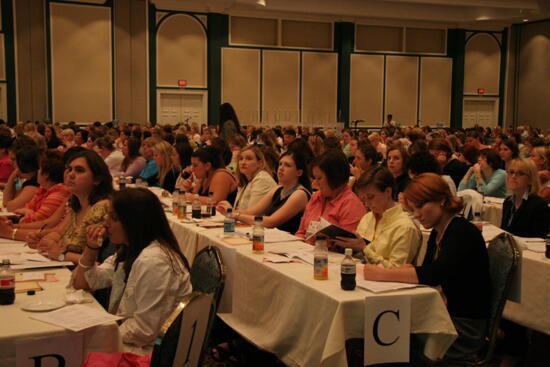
(35, 257)
(277, 259)
(17, 250)
(378, 287)
(272, 235)
(29, 276)
(29, 285)
(531, 244)
(76, 317)
(7, 214)
(492, 200)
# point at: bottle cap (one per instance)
(230, 210)
(258, 218)
(31, 292)
(349, 251)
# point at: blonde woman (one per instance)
(524, 213)
(168, 171)
(316, 144)
(253, 179)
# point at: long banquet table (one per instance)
(17, 325)
(280, 308)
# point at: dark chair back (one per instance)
(208, 272)
(503, 261)
(183, 335)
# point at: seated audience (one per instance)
(52, 192)
(26, 168)
(52, 141)
(133, 162)
(88, 180)
(365, 161)
(508, 150)
(397, 162)
(254, 181)
(425, 162)
(150, 172)
(525, 213)
(284, 205)
(335, 202)
(148, 274)
(168, 171)
(456, 260)
(486, 176)
(6, 164)
(450, 166)
(113, 157)
(386, 235)
(211, 177)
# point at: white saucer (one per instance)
(42, 306)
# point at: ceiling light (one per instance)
(525, 20)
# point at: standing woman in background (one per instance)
(229, 122)
(398, 160)
(168, 170)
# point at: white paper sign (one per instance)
(54, 351)
(387, 329)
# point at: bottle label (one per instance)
(258, 243)
(348, 269)
(320, 268)
(229, 227)
(7, 283)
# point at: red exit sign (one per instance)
(182, 83)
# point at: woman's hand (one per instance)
(51, 245)
(373, 272)
(14, 175)
(95, 235)
(477, 169)
(6, 228)
(355, 171)
(223, 206)
(356, 243)
(23, 211)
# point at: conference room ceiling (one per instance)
(453, 13)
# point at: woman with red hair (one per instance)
(453, 243)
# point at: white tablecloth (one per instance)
(281, 308)
(17, 325)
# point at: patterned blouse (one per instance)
(74, 238)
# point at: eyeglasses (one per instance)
(513, 172)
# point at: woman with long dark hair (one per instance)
(133, 162)
(88, 180)
(148, 273)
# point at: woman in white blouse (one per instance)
(254, 180)
(148, 273)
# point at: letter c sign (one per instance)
(375, 327)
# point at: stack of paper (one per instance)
(76, 318)
(378, 287)
(531, 244)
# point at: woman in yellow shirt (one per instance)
(386, 235)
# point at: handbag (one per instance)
(120, 359)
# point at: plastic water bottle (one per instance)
(196, 211)
(229, 223)
(175, 202)
(182, 206)
(347, 270)
(212, 204)
(7, 284)
(258, 235)
(320, 259)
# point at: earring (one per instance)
(442, 204)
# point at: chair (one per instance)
(473, 202)
(183, 335)
(503, 261)
(208, 274)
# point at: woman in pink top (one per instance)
(6, 164)
(334, 202)
(52, 192)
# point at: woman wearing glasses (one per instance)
(524, 213)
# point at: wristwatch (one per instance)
(61, 257)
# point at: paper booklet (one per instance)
(331, 230)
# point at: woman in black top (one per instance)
(284, 205)
(26, 159)
(524, 213)
(456, 260)
(397, 162)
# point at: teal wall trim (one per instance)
(344, 43)
(152, 21)
(218, 37)
(9, 56)
(456, 44)
(502, 81)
